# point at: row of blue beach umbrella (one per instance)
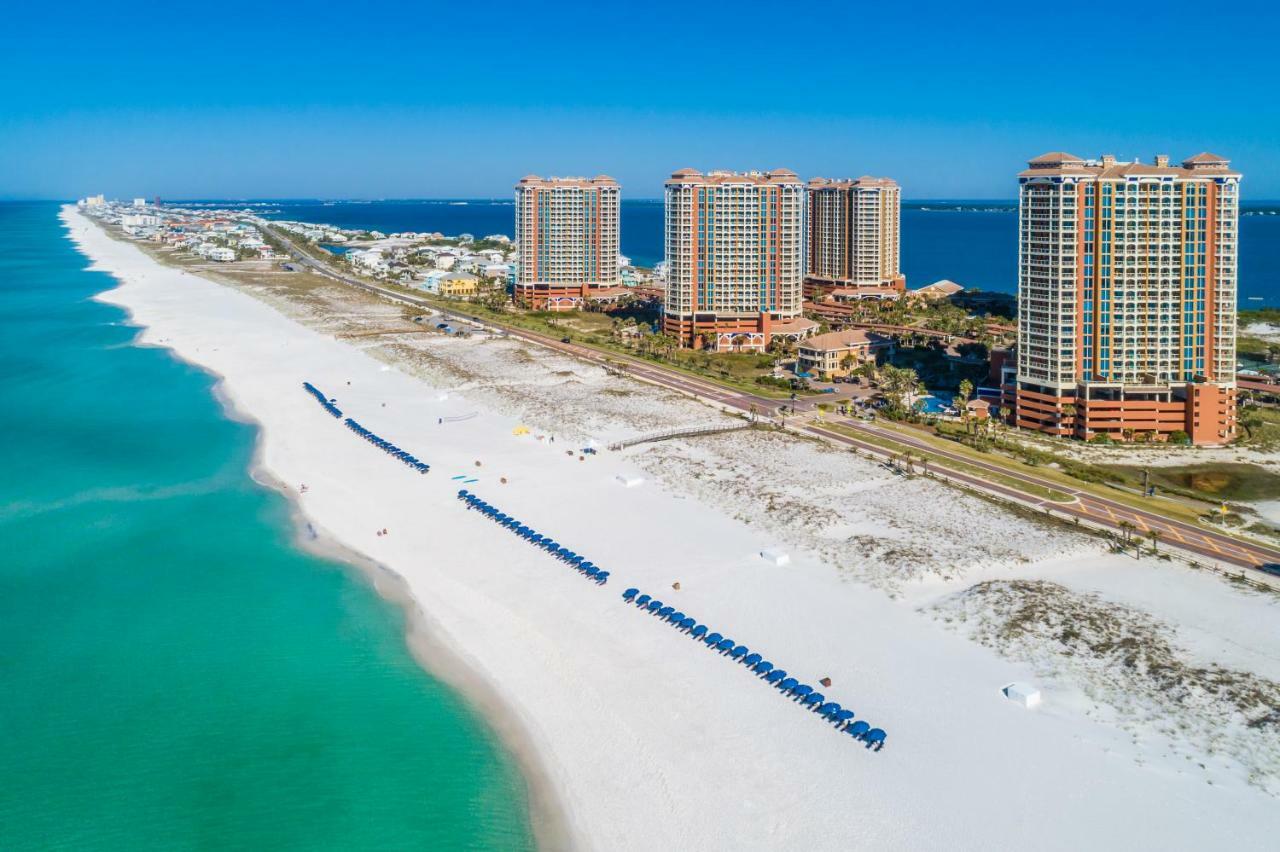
(574, 560)
(802, 694)
(383, 444)
(324, 401)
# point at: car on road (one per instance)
(565, 340)
(1272, 568)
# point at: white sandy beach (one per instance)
(645, 739)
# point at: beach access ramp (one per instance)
(682, 432)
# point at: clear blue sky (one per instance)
(461, 99)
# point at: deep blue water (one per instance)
(974, 243)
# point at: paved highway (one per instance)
(1086, 506)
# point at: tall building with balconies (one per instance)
(854, 243)
(1127, 298)
(567, 230)
(734, 253)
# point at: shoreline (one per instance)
(548, 823)
(646, 740)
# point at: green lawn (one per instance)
(1211, 482)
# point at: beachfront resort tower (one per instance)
(853, 240)
(734, 251)
(1127, 298)
(567, 230)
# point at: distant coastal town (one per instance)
(1139, 345)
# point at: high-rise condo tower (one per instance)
(854, 247)
(1127, 298)
(734, 258)
(567, 229)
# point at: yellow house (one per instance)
(839, 353)
(458, 285)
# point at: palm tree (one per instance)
(1126, 529)
(961, 401)
(1154, 535)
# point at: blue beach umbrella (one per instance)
(764, 667)
(688, 621)
(654, 606)
(629, 594)
(602, 576)
(725, 645)
(802, 690)
(789, 683)
(593, 572)
(812, 698)
(643, 599)
(876, 735)
(699, 631)
(843, 715)
(752, 659)
(739, 652)
(858, 728)
(775, 675)
(665, 611)
(676, 617)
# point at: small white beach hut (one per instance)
(1023, 693)
(775, 556)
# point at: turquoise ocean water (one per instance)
(174, 673)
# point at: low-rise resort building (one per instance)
(838, 353)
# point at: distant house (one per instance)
(458, 285)
(978, 409)
(839, 353)
(222, 254)
(943, 289)
(370, 261)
